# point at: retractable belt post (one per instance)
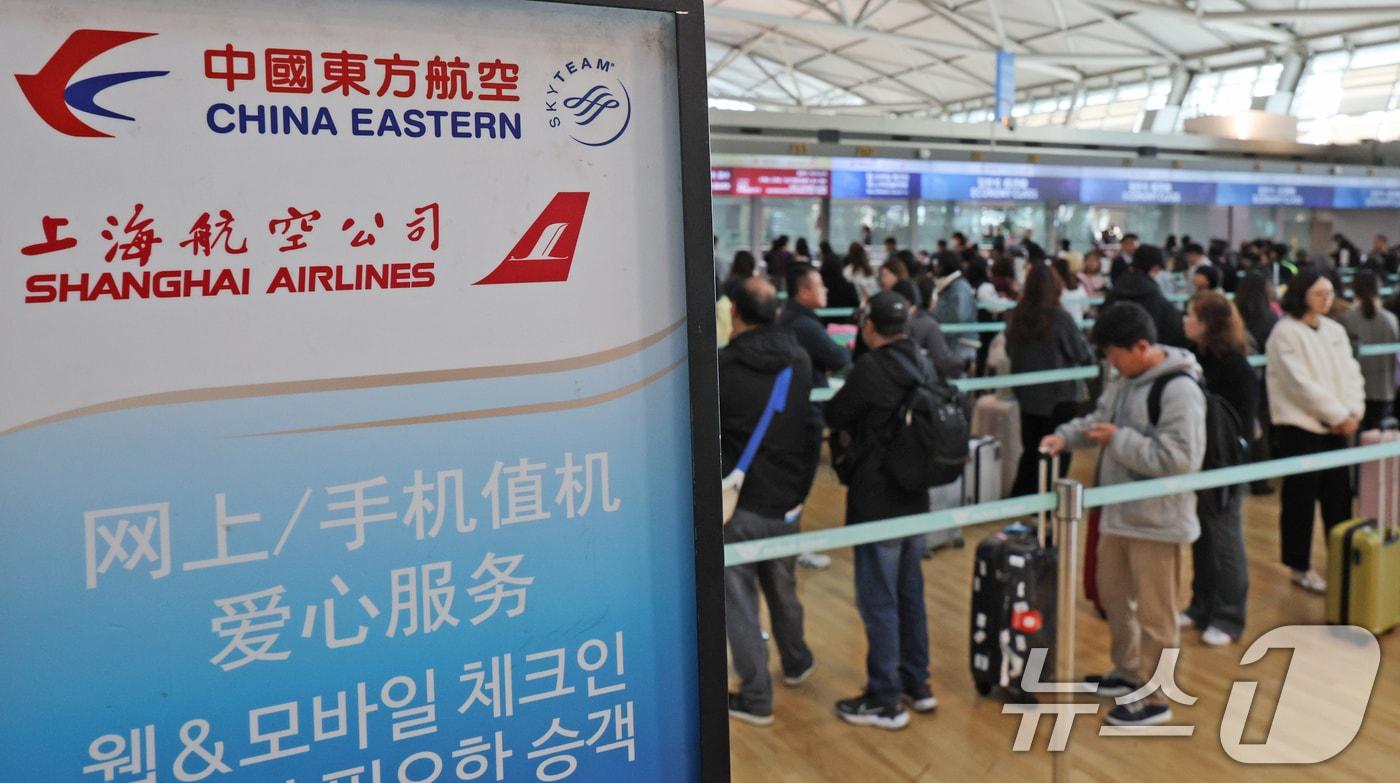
(1069, 511)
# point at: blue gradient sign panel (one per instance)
(313, 495)
(1265, 195)
(1366, 198)
(970, 187)
(873, 184)
(1145, 191)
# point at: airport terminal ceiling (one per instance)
(1111, 65)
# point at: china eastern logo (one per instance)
(53, 96)
(587, 100)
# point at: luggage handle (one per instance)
(1389, 518)
(1049, 465)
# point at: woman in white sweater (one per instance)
(1316, 400)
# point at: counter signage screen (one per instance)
(721, 181)
(1267, 195)
(1145, 191)
(847, 183)
(1366, 198)
(972, 187)
(814, 183)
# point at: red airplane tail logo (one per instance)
(545, 253)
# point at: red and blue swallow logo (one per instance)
(54, 98)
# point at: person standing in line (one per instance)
(1072, 293)
(1126, 250)
(859, 273)
(749, 367)
(1091, 273)
(1316, 400)
(1255, 304)
(1369, 324)
(1142, 543)
(1041, 335)
(1140, 285)
(1220, 581)
(799, 316)
(889, 578)
(954, 301)
(839, 291)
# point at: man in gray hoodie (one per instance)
(1141, 544)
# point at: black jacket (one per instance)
(1063, 347)
(748, 367)
(929, 338)
(1232, 378)
(928, 335)
(865, 409)
(826, 355)
(1120, 265)
(1135, 286)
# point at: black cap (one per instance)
(888, 311)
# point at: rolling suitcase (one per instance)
(1363, 558)
(980, 483)
(1000, 418)
(1013, 605)
(983, 477)
(940, 498)
(1368, 477)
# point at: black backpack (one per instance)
(1227, 442)
(929, 445)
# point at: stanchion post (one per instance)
(1069, 510)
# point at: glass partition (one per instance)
(732, 223)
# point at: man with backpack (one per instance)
(901, 432)
(1142, 543)
(752, 368)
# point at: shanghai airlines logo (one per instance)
(586, 98)
(54, 98)
(546, 251)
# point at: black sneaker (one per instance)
(920, 698)
(794, 680)
(863, 711)
(741, 709)
(1110, 686)
(1139, 713)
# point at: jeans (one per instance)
(1302, 494)
(778, 581)
(890, 597)
(1220, 580)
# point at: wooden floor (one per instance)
(969, 739)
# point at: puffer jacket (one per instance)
(1175, 447)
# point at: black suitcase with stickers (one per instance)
(1013, 606)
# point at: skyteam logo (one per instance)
(589, 102)
(53, 97)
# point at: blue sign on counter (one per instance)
(1145, 191)
(970, 187)
(1243, 194)
(1366, 198)
(873, 184)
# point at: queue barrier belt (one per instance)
(1080, 373)
(742, 552)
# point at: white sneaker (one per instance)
(1183, 620)
(814, 560)
(1214, 637)
(1310, 581)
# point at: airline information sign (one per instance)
(320, 457)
